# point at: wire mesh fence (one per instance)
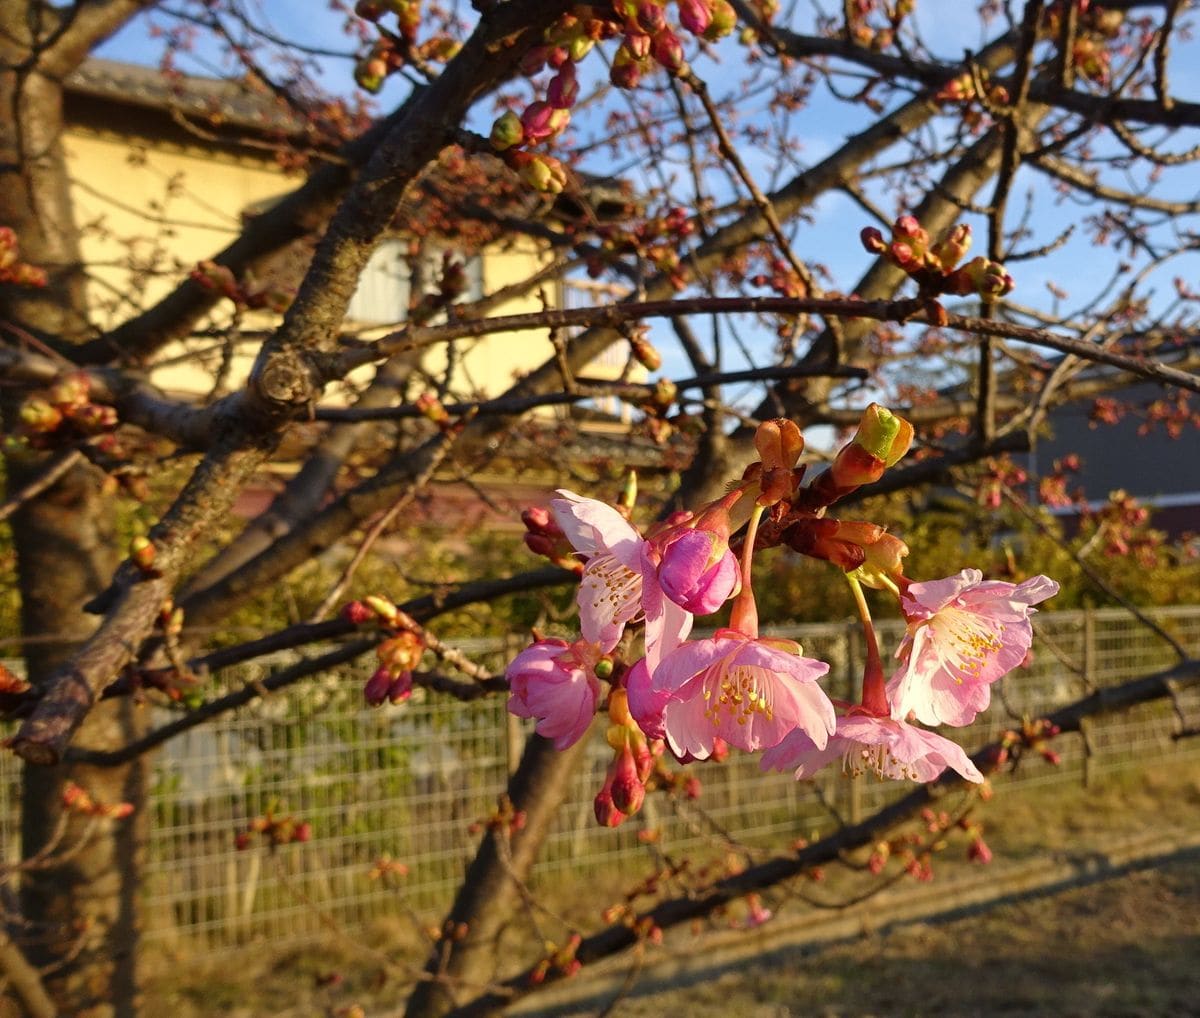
(411, 782)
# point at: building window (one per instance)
(385, 286)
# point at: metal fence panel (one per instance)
(410, 782)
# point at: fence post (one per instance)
(1089, 660)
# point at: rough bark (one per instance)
(82, 913)
(489, 891)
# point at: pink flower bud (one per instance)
(541, 120)
(375, 692)
(627, 69)
(542, 545)
(607, 814)
(698, 571)
(401, 688)
(668, 51)
(627, 789)
(357, 613)
(872, 240)
(563, 89)
(979, 852)
(537, 520)
(695, 15)
(533, 61)
(651, 16)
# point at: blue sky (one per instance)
(831, 236)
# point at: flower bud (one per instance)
(607, 814)
(651, 16)
(384, 610)
(563, 89)
(627, 69)
(644, 352)
(668, 51)
(507, 131)
(401, 652)
(883, 434)
(883, 561)
(142, 552)
(872, 240)
(854, 467)
(542, 173)
(723, 20)
(695, 15)
(39, 416)
(627, 790)
(952, 250)
(779, 443)
(401, 688)
(375, 692)
(369, 74)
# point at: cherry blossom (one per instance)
(611, 589)
(964, 633)
(866, 742)
(555, 682)
(750, 692)
(698, 571)
(620, 581)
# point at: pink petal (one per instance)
(798, 752)
(685, 664)
(592, 527)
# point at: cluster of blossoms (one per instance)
(648, 40)
(61, 414)
(274, 831)
(398, 653)
(933, 266)
(392, 49)
(76, 799)
(245, 294)
(12, 269)
(737, 688)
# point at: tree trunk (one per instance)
(80, 912)
(464, 962)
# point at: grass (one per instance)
(1124, 947)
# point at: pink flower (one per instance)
(646, 704)
(750, 692)
(698, 571)
(619, 581)
(888, 748)
(610, 592)
(964, 633)
(555, 682)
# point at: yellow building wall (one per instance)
(150, 210)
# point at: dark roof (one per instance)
(221, 101)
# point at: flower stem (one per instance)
(874, 692)
(744, 616)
